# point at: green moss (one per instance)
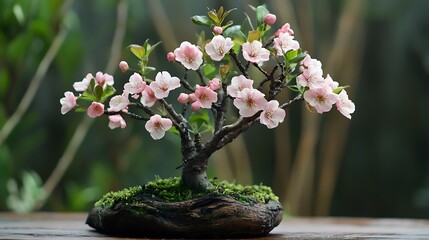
(112, 197)
(172, 190)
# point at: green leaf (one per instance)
(224, 69)
(174, 130)
(148, 70)
(253, 35)
(83, 102)
(91, 87)
(201, 20)
(109, 91)
(339, 89)
(298, 58)
(261, 11)
(87, 96)
(80, 109)
(235, 33)
(209, 70)
(138, 51)
(199, 119)
(151, 48)
(213, 15)
(98, 92)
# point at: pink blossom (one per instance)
(183, 98)
(285, 43)
(214, 84)
(189, 55)
(272, 114)
(123, 66)
(311, 77)
(148, 98)
(163, 84)
(135, 84)
(96, 109)
(205, 96)
(118, 103)
(249, 102)
(331, 83)
(285, 29)
(170, 56)
(116, 121)
(270, 19)
(157, 126)
(68, 102)
(345, 105)
(104, 79)
(192, 97)
(195, 106)
(238, 83)
(321, 98)
(307, 61)
(83, 85)
(217, 30)
(255, 53)
(218, 47)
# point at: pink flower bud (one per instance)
(214, 84)
(171, 57)
(217, 30)
(195, 106)
(270, 19)
(192, 97)
(123, 66)
(183, 98)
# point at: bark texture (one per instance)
(212, 216)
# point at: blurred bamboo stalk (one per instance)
(349, 33)
(80, 133)
(37, 77)
(162, 25)
(299, 193)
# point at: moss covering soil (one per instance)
(172, 190)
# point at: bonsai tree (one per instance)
(223, 79)
(221, 99)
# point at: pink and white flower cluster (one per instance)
(136, 88)
(321, 91)
(284, 40)
(203, 97)
(250, 101)
(68, 102)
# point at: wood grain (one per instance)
(72, 226)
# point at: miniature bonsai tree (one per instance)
(222, 100)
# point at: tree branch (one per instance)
(238, 63)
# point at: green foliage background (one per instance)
(383, 163)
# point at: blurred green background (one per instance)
(375, 165)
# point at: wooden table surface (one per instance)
(72, 226)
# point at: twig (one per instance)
(200, 74)
(238, 63)
(185, 82)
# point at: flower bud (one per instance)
(123, 66)
(214, 84)
(217, 30)
(270, 19)
(183, 98)
(171, 57)
(192, 97)
(195, 106)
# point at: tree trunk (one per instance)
(194, 174)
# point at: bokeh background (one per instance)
(376, 165)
